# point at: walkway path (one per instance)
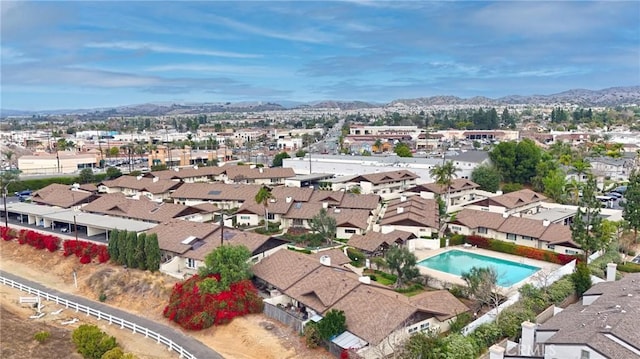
(190, 344)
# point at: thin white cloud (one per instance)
(153, 47)
(220, 69)
(303, 35)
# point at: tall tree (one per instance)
(482, 284)
(581, 167)
(503, 157)
(631, 207)
(86, 176)
(139, 256)
(586, 229)
(403, 150)
(152, 252)
(277, 159)
(230, 262)
(130, 255)
(262, 197)
(112, 247)
(554, 185)
(487, 177)
(528, 154)
(122, 247)
(443, 175)
(403, 263)
(324, 225)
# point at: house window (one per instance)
(424, 326)
(350, 231)
(412, 330)
(191, 263)
(568, 251)
(297, 222)
(584, 354)
(271, 216)
(551, 246)
(482, 230)
(511, 236)
(456, 228)
(246, 218)
(527, 238)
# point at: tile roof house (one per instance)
(412, 214)
(604, 324)
(348, 221)
(310, 288)
(119, 205)
(225, 196)
(64, 196)
(381, 183)
(460, 192)
(541, 234)
(258, 175)
(153, 188)
(189, 174)
(375, 243)
(185, 244)
(524, 201)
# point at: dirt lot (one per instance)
(145, 294)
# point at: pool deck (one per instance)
(421, 254)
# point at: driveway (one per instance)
(190, 344)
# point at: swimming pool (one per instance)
(457, 262)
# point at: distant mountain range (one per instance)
(613, 96)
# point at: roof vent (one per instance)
(400, 210)
(337, 210)
(155, 179)
(403, 198)
(325, 204)
(365, 279)
(505, 215)
(288, 199)
(325, 261)
(546, 222)
(139, 177)
(189, 240)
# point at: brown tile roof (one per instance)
(360, 201)
(284, 268)
(338, 258)
(237, 173)
(334, 198)
(217, 191)
(372, 313)
(522, 226)
(385, 177)
(372, 241)
(303, 210)
(473, 219)
(515, 199)
(345, 217)
(323, 287)
(458, 184)
(439, 302)
(117, 204)
(614, 313)
(187, 172)
(172, 233)
(155, 186)
(558, 233)
(416, 211)
(206, 207)
(61, 195)
(296, 193)
(89, 187)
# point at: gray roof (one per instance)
(469, 156)
(311, 177)
(609, 325)
(553, 214)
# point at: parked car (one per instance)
(25, 193)
(614, 194)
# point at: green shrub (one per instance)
(412, 288)
(91, 342)
(458, 291)
(581, 278)
(456, 240)
(356, 256)
(311, 335)
(629, 267)
(102, 297)
(460, 322)
(443, 242)
(510, 320)
(486, 335)
(42, 336)
(511, 187)
(560, 290)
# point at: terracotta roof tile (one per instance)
(372, 241)
(117, 204)
(458, 184)
(217, 191)
(142, 184)
(416, 210)
(385, 177)
(516, 199)
(61, 195)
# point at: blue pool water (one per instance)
(457, 262)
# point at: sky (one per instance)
(80, 54)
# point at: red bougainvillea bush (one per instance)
(86, 251)
(34, 239)
(195, 310)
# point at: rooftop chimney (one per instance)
(325, 204)
(546, 222)
(496, 352)
(403, 198)
(505, 215)
(365, 279)
(611, 272)
(325, 261)
(261, 170)
(139, 177)
(400, 210)
(155, 179)
(528, 338)
(288, 199)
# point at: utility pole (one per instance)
(221, 228)
(75, 227)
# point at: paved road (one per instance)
(190, 344)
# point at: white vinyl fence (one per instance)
(101, 315)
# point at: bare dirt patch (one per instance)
(146, 294)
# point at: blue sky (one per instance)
(76, 54)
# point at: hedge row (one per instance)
(86, 251)
(36, 184)
(196, 310)
(34, 239)
(522, 251)
(629, 267)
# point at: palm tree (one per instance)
(444, 175)
(378, 145)
(573, 187)
(581, 167)
(262, 197)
